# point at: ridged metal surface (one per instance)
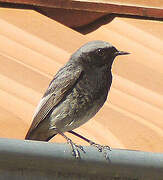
(32, 49)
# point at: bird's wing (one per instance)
(62, 83)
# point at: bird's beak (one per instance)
(121, 53)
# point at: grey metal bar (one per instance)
(24, 158)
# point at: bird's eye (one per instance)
(100, 52)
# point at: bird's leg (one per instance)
(98, 146)
(74, 147)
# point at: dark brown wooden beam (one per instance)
(140, 9)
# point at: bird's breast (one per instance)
(92, 89)
(90, 93)
(82, 103)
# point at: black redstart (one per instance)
(76, 93)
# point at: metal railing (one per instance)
(42, 160)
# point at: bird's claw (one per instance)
(75, 147)
(101, 148)
(80, 147)
(75, 153)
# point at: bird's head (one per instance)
(97, 54)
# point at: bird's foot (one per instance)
(75, 148)
(101, 148)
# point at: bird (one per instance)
(76, 93)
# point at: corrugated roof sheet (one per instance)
(32, 49)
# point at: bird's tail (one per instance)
(34, 135)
